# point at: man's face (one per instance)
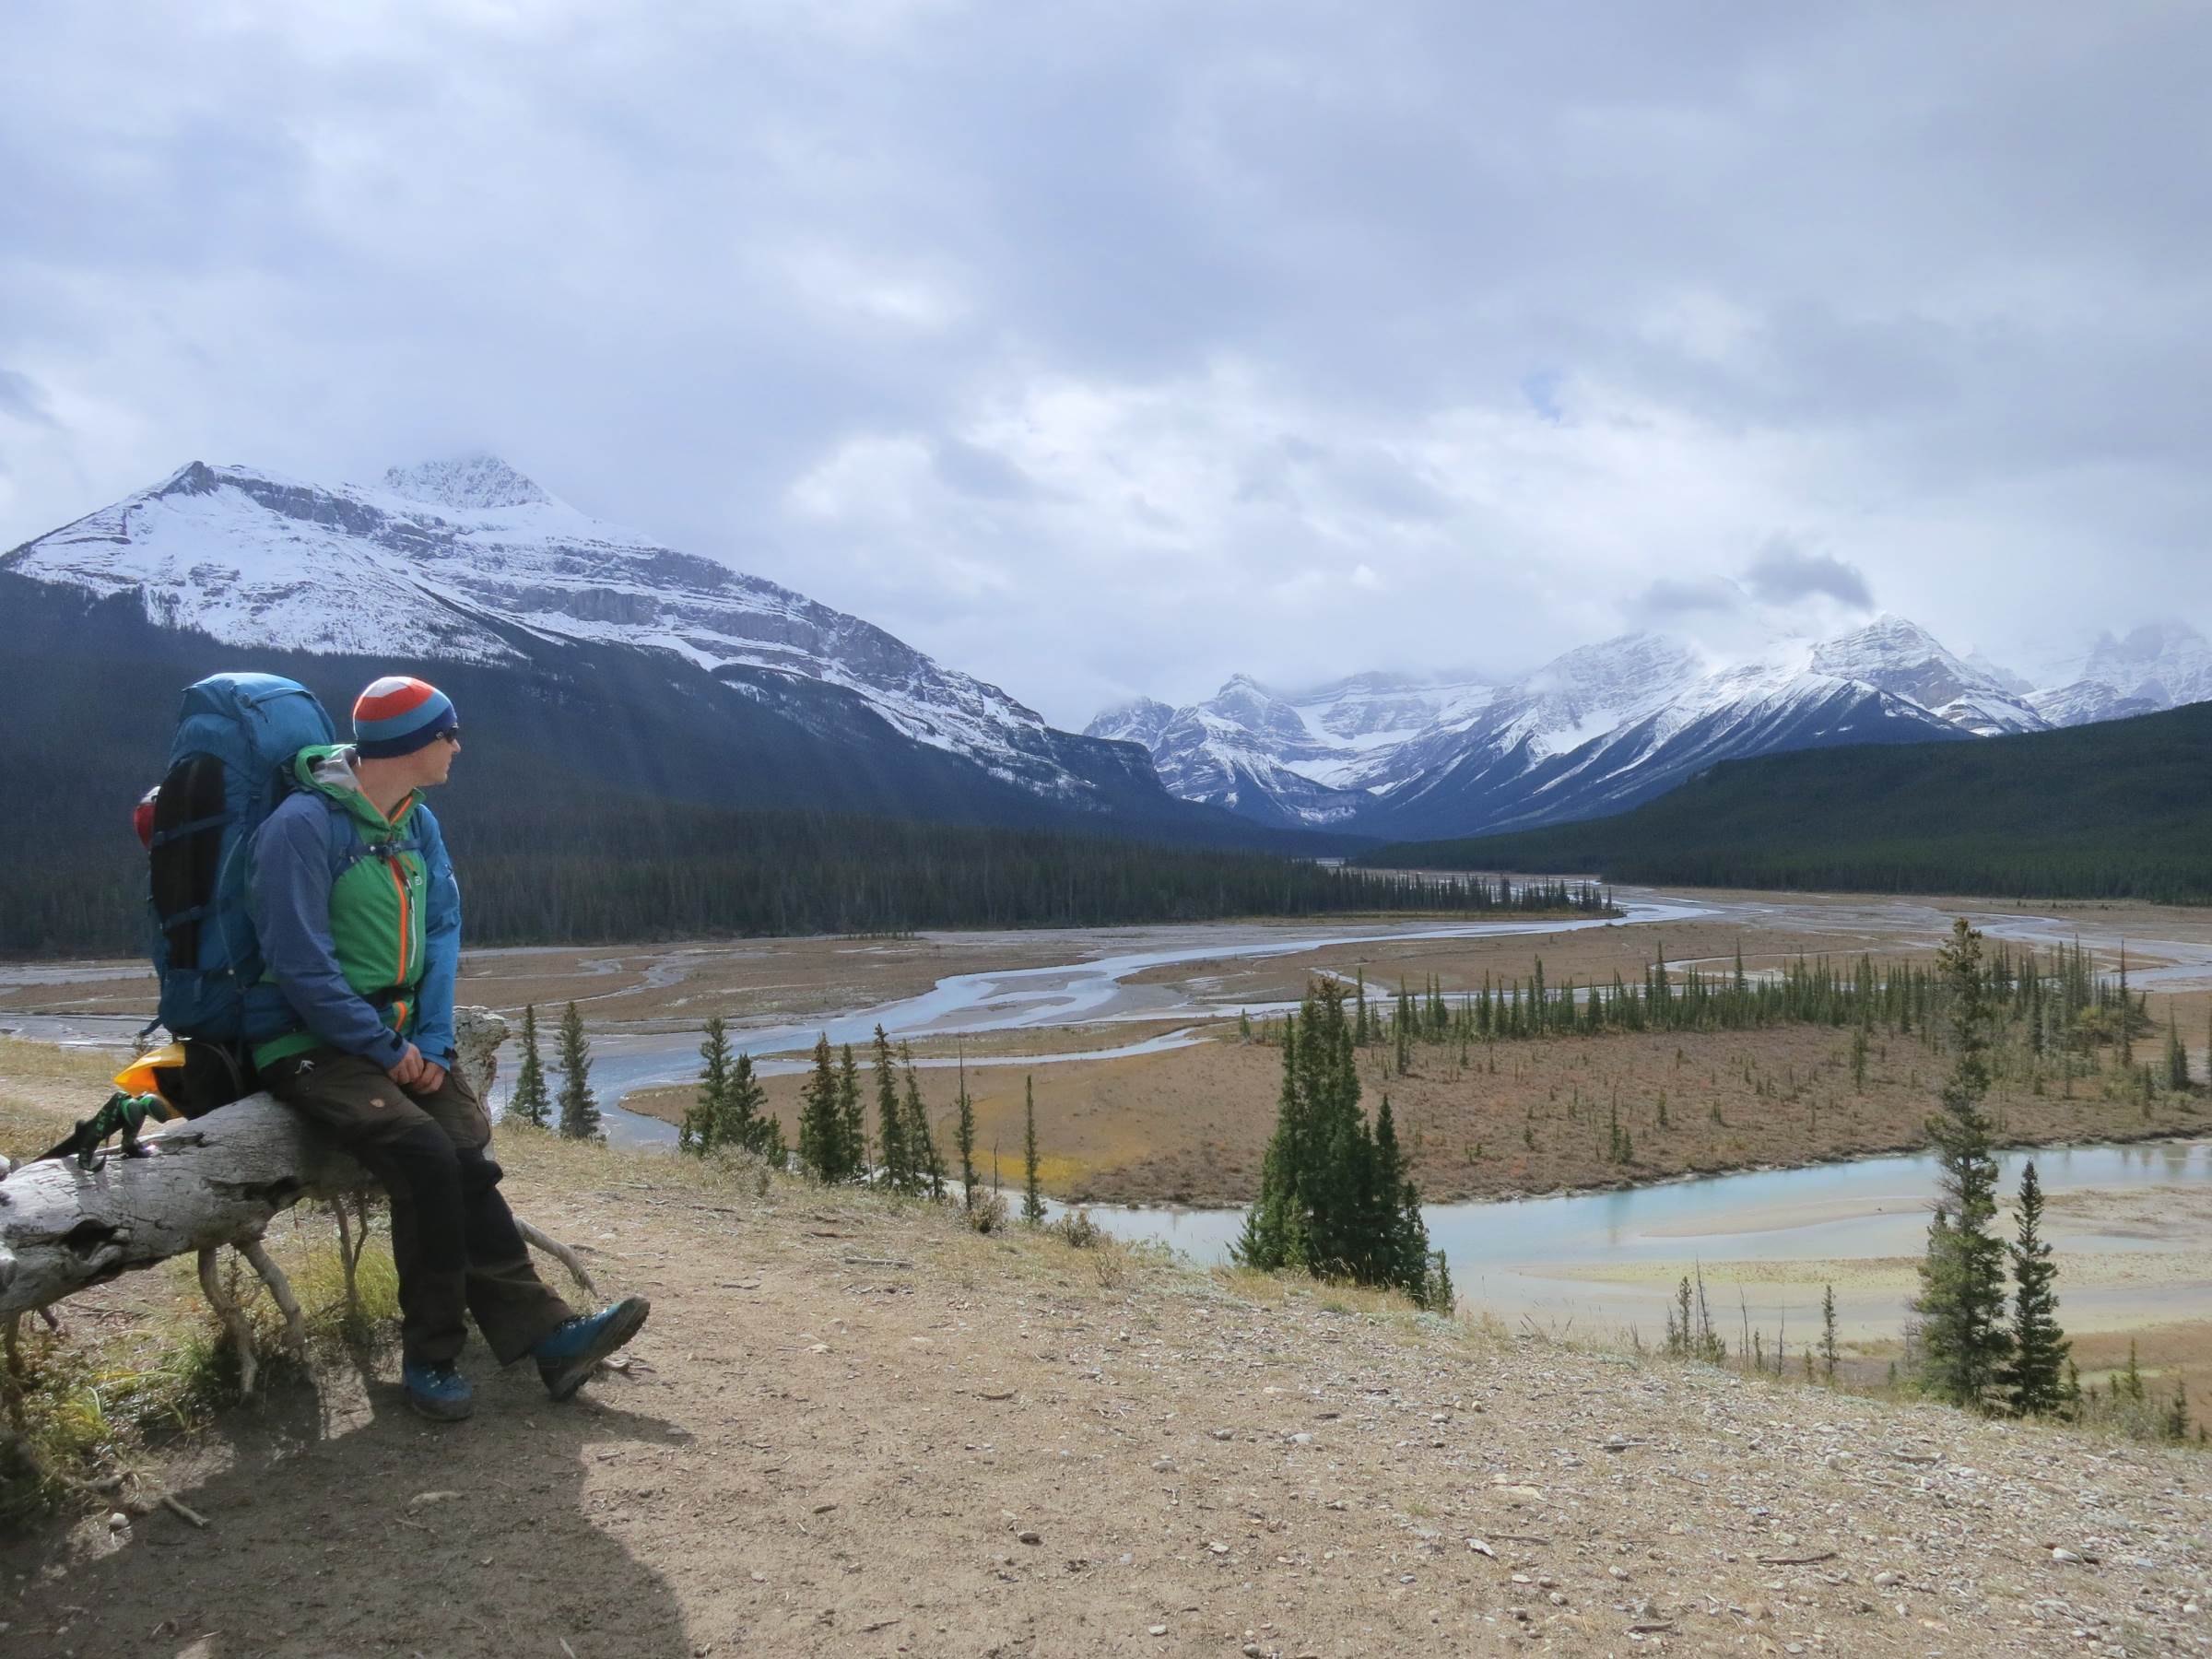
(435, 758)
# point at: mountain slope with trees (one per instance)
(606, 793)
(2118, 810)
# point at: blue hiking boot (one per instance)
(438, 1392)
(573, 1349)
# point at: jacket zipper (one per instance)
(399, 884)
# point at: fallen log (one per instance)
(213, 1180)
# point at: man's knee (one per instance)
(479, 1173)
(421, 1155)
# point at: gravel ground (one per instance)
(854, 1428)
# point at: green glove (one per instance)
(125, 1114)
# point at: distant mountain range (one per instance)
(1608, 726)
(597, 652)
(590, 647)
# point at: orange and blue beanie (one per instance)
(398, 715)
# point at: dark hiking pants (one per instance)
(452, 1237)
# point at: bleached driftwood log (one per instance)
(217, 1180)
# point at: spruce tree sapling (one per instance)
(821, 1125)
(921, 1141)
(2175, 1422)
(531, 1103)
(2033, 1377)
(890, 1120)
(852, 1117)
(1828, 1334)
(964, 1139)
(744, 1119)
(702, 1120)
(1032, 1194)
(579, 1106)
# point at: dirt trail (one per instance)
(858, 1430)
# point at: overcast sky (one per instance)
(1108, 348)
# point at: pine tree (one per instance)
(890, 1122)
(1828, 1334)
(2033, 1377)
(702, 1123)
(853, 1123)
(2175, 1422)
(742, 1119)
(921, 1142)
(1334, 1197)
(1962, 1276)
(531, 1103)
(2177, 1057)
(1033, 1195)
(821, 1124)
(579, 1106)
(964, 1139)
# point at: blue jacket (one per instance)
(360, 924)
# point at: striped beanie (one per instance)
(398, 715)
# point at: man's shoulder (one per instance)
(302, 805)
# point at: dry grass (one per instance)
(1191, 1125)
(44, 1090)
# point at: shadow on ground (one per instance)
(341, 1524)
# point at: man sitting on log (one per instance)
(358, 918)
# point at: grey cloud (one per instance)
(976, 471)
(1553, 296)
(1671, 598)
(1784, 574)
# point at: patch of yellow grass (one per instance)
(44, 1090)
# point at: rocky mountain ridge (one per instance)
(468, 559)
(1606, 726)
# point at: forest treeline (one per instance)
(2122, 809)
(584, 868)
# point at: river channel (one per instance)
(1598, 1262)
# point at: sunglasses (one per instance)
(451, 735)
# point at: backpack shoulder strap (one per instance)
(349, 845)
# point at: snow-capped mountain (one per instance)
(2162, 665)
(1905, 659)
(1306, 759)
(1593, 731)
(470, 561)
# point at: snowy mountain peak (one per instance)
(1897, 656)
(467, 483)
(2157, 651)
(468, 559)
(1141, 720)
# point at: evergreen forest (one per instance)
(2122, 809)
(2057, 1017)
(596, 868)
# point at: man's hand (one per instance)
(433, 1078)
(407, 1074)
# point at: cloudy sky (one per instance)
(1107, 349)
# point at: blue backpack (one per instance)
(230, 763)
